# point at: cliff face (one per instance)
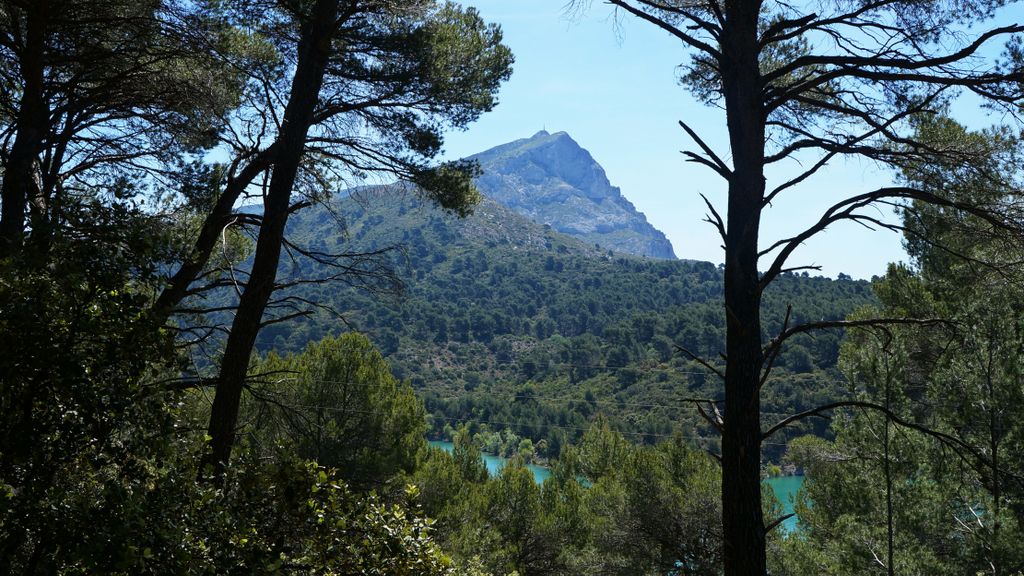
(552, 180)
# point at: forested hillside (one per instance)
(504, 320)
(214, 362)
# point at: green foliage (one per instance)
(103, 92)
(650, 512)
(507, 524)
(295, 518)
(281, 517)
(98, 478)
(98, 469)
(337, 404)
(98, 461)
(505, 321)
(372, 88)
(653, 509)
(939, 520)
(467, 457)
(451, 185)
(957, 509)
(398, 75)
(82, 411)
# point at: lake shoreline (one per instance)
(785, 488)
(495, 463)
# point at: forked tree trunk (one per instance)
(313, 53)
(177, 288)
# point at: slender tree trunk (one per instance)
(313, 52)
(994, 436)
(890, 526)
(21, 180)
(742, 518)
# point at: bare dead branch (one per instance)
(847, 210)
(687, 39)
(775, 523)
(700, 361)
(773, 351)
(717, 222)
(787, 333)
(712, 160)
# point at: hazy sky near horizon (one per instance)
(612, 86)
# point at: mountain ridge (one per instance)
(553, 180)
(498, 308)
(496, 303)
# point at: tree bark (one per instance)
(21, 181)
(742, 518)
(313, 53)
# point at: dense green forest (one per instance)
(503, 320)
(214, 362)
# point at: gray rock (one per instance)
(552, 180)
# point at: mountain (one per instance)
(552, 180)
(505, 320)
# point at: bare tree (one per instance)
(815, 81)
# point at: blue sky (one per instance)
(612, 86)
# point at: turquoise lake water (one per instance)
(495, 463)
(784, 487)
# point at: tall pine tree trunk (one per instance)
(313, 53)
(21, 179)
(742, 518)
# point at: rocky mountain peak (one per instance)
(553, 180)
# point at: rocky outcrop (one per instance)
(552, 180)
